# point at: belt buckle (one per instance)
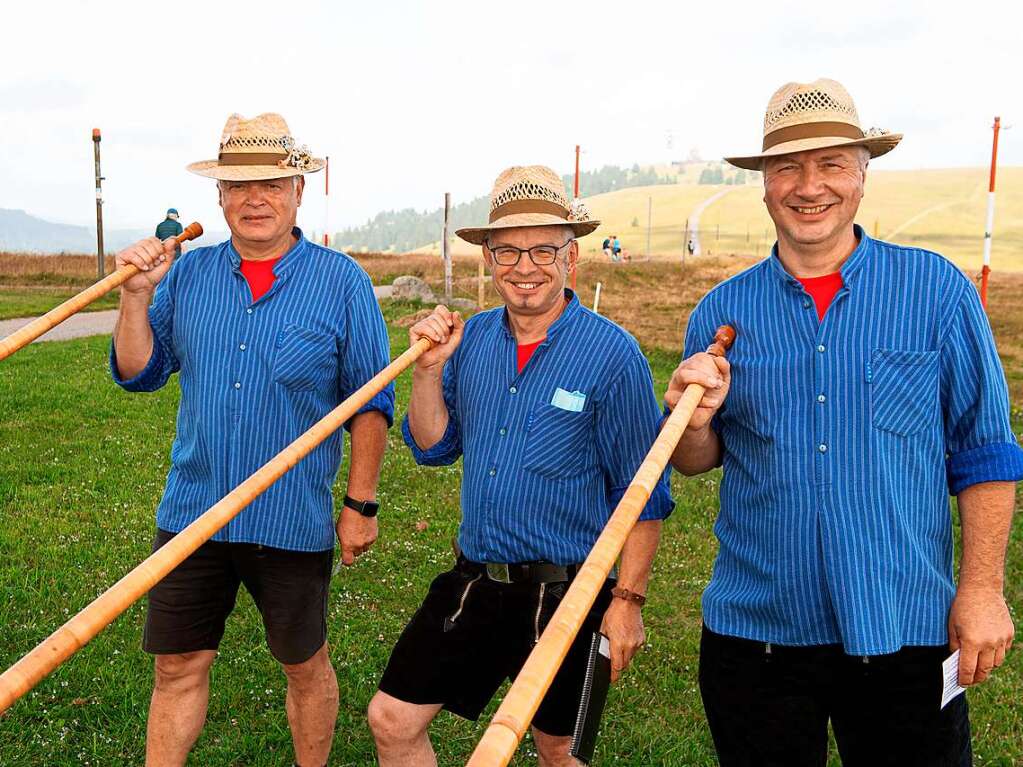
(498, 571)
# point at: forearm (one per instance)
(369, 440)
(638, 555)
(985, 512)
(427, 412)
(698, 451)
(133, 336)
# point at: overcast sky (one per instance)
(414, 99)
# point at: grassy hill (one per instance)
(941, 210)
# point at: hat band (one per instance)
(811, 130)
(528, 206)
(251, 158)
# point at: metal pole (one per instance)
(100, 265)
(990, 224)
(685, 243)
(575, 194)
(446, 248)
(649, 219)
(596, 299)
(326, 203)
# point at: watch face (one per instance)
(370, 509)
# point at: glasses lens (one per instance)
(543, 254)
(505, 256)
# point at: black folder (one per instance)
(591, 705)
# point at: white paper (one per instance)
(950, 674)
(571, 401)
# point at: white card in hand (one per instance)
(950, 676)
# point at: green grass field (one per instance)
(31, 303)
(82, 466)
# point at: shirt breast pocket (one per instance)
(304, 358)
(559, 442)
(903, 390)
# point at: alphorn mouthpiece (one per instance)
(192, 231)
(723, 339)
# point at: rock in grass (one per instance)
(412, 289)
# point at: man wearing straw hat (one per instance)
(269, 332)
(864, 389)
(551, 408)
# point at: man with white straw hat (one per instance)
(863, 390)
(551, 409)
(269, 333)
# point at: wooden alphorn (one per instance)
(25, 335)
(498, 744)
(73, 635)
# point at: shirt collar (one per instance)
(293, 254)
(571, 309)
(850, 269)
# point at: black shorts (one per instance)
(471, 633)
(187, 609)
(772, 709)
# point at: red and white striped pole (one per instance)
(575, 196)
(326, 204)
(990, 224)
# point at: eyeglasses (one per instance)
(541, 255)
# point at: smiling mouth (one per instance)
(811, 211)
(526, 285)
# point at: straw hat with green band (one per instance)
(258, 149)
(533, 195)
(805, 116)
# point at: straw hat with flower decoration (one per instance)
(257, 150)
(532, 195)
(804, 116)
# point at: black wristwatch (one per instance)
(366, 508)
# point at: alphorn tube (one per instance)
(76, 633)
(498, 744)
(25, 335)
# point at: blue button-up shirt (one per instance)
(256, 375)
(842, 441)
(548, 452)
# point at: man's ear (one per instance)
(220, 195)
(299, 188)
(573, 255)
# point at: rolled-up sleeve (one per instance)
(627, 425)
(449, 448)
(162, 362)
(367, 350)
(979, 441)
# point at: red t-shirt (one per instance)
(525, 351)
(822, 290)
(259, 275)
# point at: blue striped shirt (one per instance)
(842, 440)
(256, 375)
(539, 481)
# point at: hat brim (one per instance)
(477, 235)
(213, 169)
(876, 145)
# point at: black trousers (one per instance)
(770, 705)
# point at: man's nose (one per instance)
(810, 182)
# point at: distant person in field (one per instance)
(269, 332)
(616, 248)
(863, 389)
(550, 435)
(606, 247)
(690, 246)
(170, 227)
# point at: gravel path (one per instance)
(101, 323)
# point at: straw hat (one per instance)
(257, 149)
(533, 195)
(802, 116)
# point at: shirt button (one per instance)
(502, 431)
(242, 347)
(248, 311)
(237, 384)
(822, 447)
(513, 390)
(821, 398)
(820, 348)
(806, 304)
(492, 472)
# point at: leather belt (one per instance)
(521, 572)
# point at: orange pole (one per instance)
(502, 737)
(98, 614)
(575, 196)
(30, 332)
(990, 222)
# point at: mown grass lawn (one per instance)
(82, 466)
(22, 302)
